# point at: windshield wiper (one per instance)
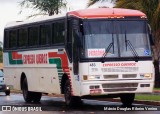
(106, 51)
(108, 48)
(127, 42)
(132, 49)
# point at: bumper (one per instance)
(116, 87)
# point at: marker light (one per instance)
(93, 77)
(147, 75)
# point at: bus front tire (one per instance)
(127, 99)
(69, 99)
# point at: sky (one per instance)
(9, 11)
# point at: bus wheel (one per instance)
(127, 99)
(7, 92)
(37, 97)
(69, 99)
(28, 96)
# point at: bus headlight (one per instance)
(91, 77)
(146, 75)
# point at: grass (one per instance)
(156, 88)
(148, 97)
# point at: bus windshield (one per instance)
(118, 38)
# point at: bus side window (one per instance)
(33, 36)
(45, 34)
(58, 32)
(22, 37)
(13, 39)
(75, 46)
(6, 39)
(69, 39)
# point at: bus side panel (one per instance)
(75, 82)
(8, 74)
(39, 68)
(49, 82)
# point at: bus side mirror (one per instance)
(151, 39)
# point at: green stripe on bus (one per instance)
(60, 70)
(56, 61)
(13, 62)
(19, 62)
(60, 73)
(60, 78)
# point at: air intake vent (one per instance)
(129, 75)
(110, 76)
(124, 89)
(120, 85)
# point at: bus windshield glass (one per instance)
(118, 38)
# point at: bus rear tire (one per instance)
(37, 97)
(127, 99)
(27, 95)
(69, 99)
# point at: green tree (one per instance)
(46, 7)
(152, 9)
(91, 2)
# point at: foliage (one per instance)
(49, 7)
(1, 45)
(91, 2)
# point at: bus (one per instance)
(83, 54)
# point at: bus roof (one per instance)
(46, 18)
(106, 13)
(85, 13)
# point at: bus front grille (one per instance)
(119, 87)
(110, 76)
(129, 75)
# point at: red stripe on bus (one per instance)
(16, 56)
(62, 56)
(65, 64)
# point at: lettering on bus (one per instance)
(119, 64)
(29, 59)
(96, 52)
(35, 59)
(41, 59)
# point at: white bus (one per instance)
(85, 53)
